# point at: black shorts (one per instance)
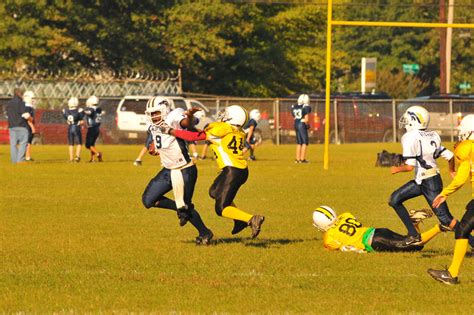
(92, 135)
(464, 228)
(385, 240)
(301, 133)
(226, 185)
(74, 135)
(30, 135)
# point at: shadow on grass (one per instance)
(258, 242)
(430, 253)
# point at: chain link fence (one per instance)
(352, 119)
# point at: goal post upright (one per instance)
(330, 23)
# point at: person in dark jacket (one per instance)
(17, 126)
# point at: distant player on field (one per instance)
(346, 233)
(74, 118)
(226, 139)
(179, 173)
(249, 129)
(421, 148)
(30, 101)
(300, 112)
(464, 153)
(93, 118)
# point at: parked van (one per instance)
(131, 119)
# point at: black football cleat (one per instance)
(445, 228)
(443, 276)
(183, 215)
(410, 240)
(205, 239)
(239, 226)
(256, 224)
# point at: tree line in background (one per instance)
(232, 48)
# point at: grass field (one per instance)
(76, 238)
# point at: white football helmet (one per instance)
(324, 218)
(234, 115)
(92, 101)
(255, 115)
(29, 97)
(73, 102)
(303, 99)
(415, 118)
(466, 128)
(153, 106)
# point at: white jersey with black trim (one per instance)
(421, 149)
(173, 152)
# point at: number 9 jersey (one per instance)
(347, 232)
(227, 143)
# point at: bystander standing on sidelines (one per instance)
(17, 126)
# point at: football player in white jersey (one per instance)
(421, 148)
(179, 173)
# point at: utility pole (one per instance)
(442, 48)
(449, 40)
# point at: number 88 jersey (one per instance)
(346, 232)
(227, 143)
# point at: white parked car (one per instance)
(131, 118)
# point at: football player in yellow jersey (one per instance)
(464, 153)
(226, 140)
(346, 233)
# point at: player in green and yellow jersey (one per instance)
(464, 153)
(226, 140)
(346, 233)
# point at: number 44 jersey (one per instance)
(346, 232)
(227, 143)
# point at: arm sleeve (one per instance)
(446, 154)
(462, 175)
(306, 110)
(409, 150)
(189, 135)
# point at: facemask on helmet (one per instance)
(92, 101)
(157, 109)
(73, 102)
(466, 128)
(415, 118)
(324, 218)
(234, 115)
(303, 99)
(255, 115)
(29, 98)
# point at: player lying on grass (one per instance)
(346, 233)
(226, 139)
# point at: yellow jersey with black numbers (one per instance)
(464, 154)
(227, 143)
(346, 232)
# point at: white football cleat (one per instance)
(418, 215)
